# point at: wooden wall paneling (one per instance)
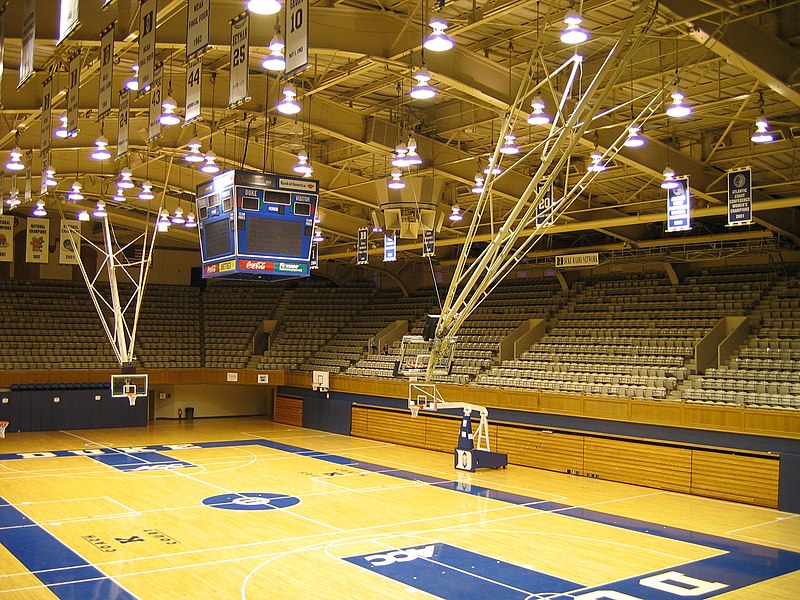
(742, 478)
(288, 411)
(553, 451)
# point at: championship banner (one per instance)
(69, 242)
(72, 94)
(590, 259)
(389, 248)
(362, 246)
(153, 124)
(28, 41)
(69, 19)
(545, 207)
(2, 47)
(46, 131)
(193, 87)
(124, 118)
(7, 238)
(679, 206)
(313, 262)
(240, 54)
(429, 242)
(198, 28)
(296, 28)
(740, 196)
(106, 79)
(147, 45)
(28, 175)
(37, 241)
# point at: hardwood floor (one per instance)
(227, 508)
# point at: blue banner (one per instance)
(362, 247)
(389, 248)
(679, 206)
(740, 197)
(428, 243)
(544, 209)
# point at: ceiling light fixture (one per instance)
(13, 198)
(264, 7)
(178, 218)
(100, 151)
(455, 214)
(438, 40)
(509, 147)
(100, 211)
(422, 90)
(84, 216)
(762, 135)
(318, 237)
(396, 183)
(62, 132)
(492, 169)
(302, 167)
(634, 140)
(39, 211)
(412, 158)
(678, 109)
(125, 182)
(168, 116)
(119, 196)
(194, 155)
(14, 163)
(163, 222)
(288, 106)
(133, 83)
(191, 221)
(50, 177)
(210, 166)
(574, 33)
(538, 116)
(75, 195)
(596, 165)
(147, 191)
(669, 183)
(275, 60)
(478, 187)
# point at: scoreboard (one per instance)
(256, 225)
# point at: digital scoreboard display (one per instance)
(256, 225)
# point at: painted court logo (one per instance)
(251, 501)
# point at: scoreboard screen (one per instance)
(256, 225)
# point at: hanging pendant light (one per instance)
(84, 216)
(396, 183)
(412, 158)
(669, 183)
(50, 177)
(147, 191)
(194, 155)
(13, 198)
(634, 140)
(125, 181)
(14, 163)
(678, 109)
(574, 33)
(302, 167)
(275, 61)
(422, 90)
(132, 83)
(399, 159)
(210, 166)
(39, 211)
(288, 106)
(191, 221)
(75, 195)
(492, 169)
(178, 218)
(264, 7)
(100, 210)
(438, 40)
(762, 135)
(168, 116)
(478, 187)
(119, 196)
(455, 213)
(596, 165)
(538, 116)
(62, 132)
(100, 151)
(318, 237)
(509, 147)
(163, 223)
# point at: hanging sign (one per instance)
(240, 59)
(106, 79)
(313, 262)
(28, 175)
(740, 196)
(147, 45)
(153, 123)
(69, 242)
(679, 206)
(69, 19)
(46, 131)
(2, 47)
(7, 238)
(72, 94)
(296, 28)
(198, 27)
(124, 118)
(28, 41)
(544, 208)
(589, 259)
(193, 88)
(362, 246)
(37, 241)
(389, 248)
(429, 242)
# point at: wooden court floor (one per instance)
(247, 508)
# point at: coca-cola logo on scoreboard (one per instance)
(257, 265)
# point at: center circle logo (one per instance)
(251, 501)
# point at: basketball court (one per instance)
(247, 508)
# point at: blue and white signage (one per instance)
(679, 206)
(389, 248)
(428, 242)
(362, 247)
(740, 196)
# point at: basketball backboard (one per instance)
(415, 356)
(129, 385)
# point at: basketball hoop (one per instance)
(131, 397)
(3, 425)
(414, 409)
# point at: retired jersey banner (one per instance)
(106, 78)
(198, 27)
(69, 247)
(679, 206)
(69, 19)
(389, 248)
(28, 41)
(740, 197)
(72, 94)
(153, 123)
(2, 47)
(124, 118)
(313, 262)
(428, 242)
(544, 209)
(296, 29)
(46, 129)
(28, 175)
(147, 45)
(194, 73)
(362, 247)
(7, 238)
(240, 58)
(37, 241)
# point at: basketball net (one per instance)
(131, 397)
(3, 425)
